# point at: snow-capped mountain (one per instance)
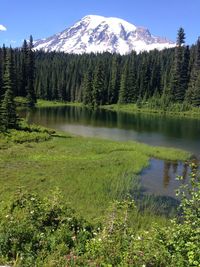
(99, 34)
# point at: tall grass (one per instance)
(90, 172)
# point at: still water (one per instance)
(152, 129)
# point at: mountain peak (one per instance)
(94, 33)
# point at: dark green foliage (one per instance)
(128, 88)
(180, 73)
(97, 79)
(31, 98)
(7, 110)
(23, 69)
(192, 94)
(87, 88)
(114, 83)
(180, 37)
(98, 88)
(195, 98)
(32, 230)
(122, 91)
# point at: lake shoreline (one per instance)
(72, 158)
(132, 108)
(128, 108)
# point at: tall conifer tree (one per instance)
(31, 97)
(8, 110)
(177, 89)
(192, 95)
(98, 85)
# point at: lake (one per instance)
(152, 129)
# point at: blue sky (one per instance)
(43, 18)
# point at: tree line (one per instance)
(17, 76)
(161, 77)
(172, 75)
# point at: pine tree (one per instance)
(123, 85)
(1, 74)
(185, 71)
(31, 97)
(8, 109)
(196, 92)
(180, 37)
(128, 89)
(114, 84)
(192, 94)
(87, 88)
(98, 85)
(178, 73)
(24, 70)
(131, 89)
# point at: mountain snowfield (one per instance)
(101, 34)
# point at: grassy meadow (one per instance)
(89, 172)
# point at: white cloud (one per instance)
(2, 28)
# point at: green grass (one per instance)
(132, 108)
(194, 112)
(45, 103)
(90, 172)
(22, 102)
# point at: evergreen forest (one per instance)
(161, 77)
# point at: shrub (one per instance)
(33, 229)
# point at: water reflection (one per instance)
(164, 172)
(152, 129)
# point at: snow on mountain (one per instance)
(100, 34)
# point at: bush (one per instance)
(26, 133)
(24, 126)
(34, 230)
(46, 232)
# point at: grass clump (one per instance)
(90, 172)
(46, 103)
(25, 133)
